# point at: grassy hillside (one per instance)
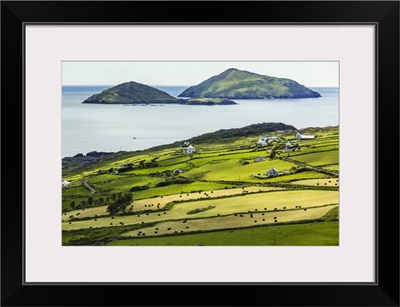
(167, 193)
(239, 84)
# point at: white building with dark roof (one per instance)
(272, 172)
(304, 137)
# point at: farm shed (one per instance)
(259, 159)
(272, 172)
(304, 137)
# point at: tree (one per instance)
(72, 204)
(272, 154)
(90, 201)
(101, 200)
(120, 204)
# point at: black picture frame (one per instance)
(383, 14)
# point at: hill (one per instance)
(132, 93)
(252, 130)
(240, 84)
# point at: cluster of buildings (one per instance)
(264, 140)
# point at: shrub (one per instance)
(139, 188)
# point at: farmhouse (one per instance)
(189, 150)
(272, 172)
(288, 144)
(259, 159)
(65, 183)
(304, 137)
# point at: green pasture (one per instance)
(231, 221)
(233, 170)
(156, 203)
(311, 149)
(169, 160)
(320, 158)
(295, 176)
(248, 155)
(334, 167)
(325, 182)
(122, 183)
(127, 183)
(264, 201)
(159, 169)
(308, 234)
(178, 188)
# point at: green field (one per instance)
(309, 234)
(319, 158)
(329, 182)
(173, 196)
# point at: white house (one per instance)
(263, 140)
(272, 172)
(259, 159)
(304, 137)
(189, 150)
(65, 183)
(288, 144)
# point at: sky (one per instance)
(310, 74)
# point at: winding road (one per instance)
(86, 184)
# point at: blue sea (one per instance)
(96, 127)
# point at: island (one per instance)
(133, 93)
(239, 84)
(202, 101)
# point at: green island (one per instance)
(217, 90)
(264, 184)
(240, 84)
(133, 93)
(210, 101)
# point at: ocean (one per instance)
(111, 128)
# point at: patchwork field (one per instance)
(329, 182)
(168, 195)
(307, 234)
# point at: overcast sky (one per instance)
(312, 74)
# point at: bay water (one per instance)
(111, 128)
